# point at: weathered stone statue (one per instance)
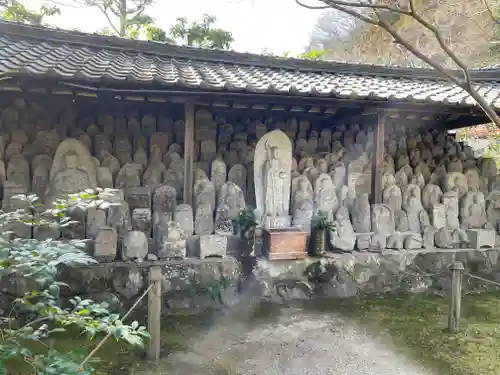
(232, 196)
(272, 166)
(473, 211)
(361, 218)
(383, 219)
(223, 223)
(325, 196)
(392, 196)
(302, 203)
(72, 171)
(456, 182)
(418, 219)
(431, 195)
(274, 183)
(344, 237)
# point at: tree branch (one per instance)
(490, 11)
(466, 85)
(367, 6)
(105, 12)
(138, 14)
(315, 7)
(441, 42)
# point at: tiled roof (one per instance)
(112, 62)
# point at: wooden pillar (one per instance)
(189, 115)
(378, 157)
(154, 314)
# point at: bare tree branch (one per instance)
(105, 12)
(490, 11)
(466, 84)
(441, 42)
(316, 7)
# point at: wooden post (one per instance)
(456, 297)
(189, 116)
(378, 158)
(154, 313)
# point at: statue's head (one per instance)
(70, 161)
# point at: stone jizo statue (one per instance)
(70, 180)
(274, 183)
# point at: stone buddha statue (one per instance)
(69, 180)
(274, 180)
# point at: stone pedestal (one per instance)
(105, 244)
(172, 249)
(213, 245)
(481, 238)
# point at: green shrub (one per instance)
(38, 314)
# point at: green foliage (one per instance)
(201, 33)
(13, 10)
(37, 316)
(493, 149)
(313, 55)
(322, 222)
(246, 222)
(133, 23)
(129, 14)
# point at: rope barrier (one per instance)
(447, 269)
(101, 343)
(481, 278)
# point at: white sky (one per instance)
(278, 25)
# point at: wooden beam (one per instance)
(378, 158)
(189, 113)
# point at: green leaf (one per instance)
(54, 290)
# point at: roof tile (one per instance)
(72, 58)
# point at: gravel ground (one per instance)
(297, 343)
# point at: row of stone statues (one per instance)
(290, 174)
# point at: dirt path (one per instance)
(296, 343)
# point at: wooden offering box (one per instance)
(281, 244)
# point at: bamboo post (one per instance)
(456, 297)
(154, 313)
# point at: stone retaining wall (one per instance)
(361, 274)
(192, 285)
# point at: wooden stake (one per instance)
(456, 297)
(154, 313)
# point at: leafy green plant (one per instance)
(322, 222)
(38, 314)
(246, 224)
(321, 225)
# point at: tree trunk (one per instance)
(123, 18)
